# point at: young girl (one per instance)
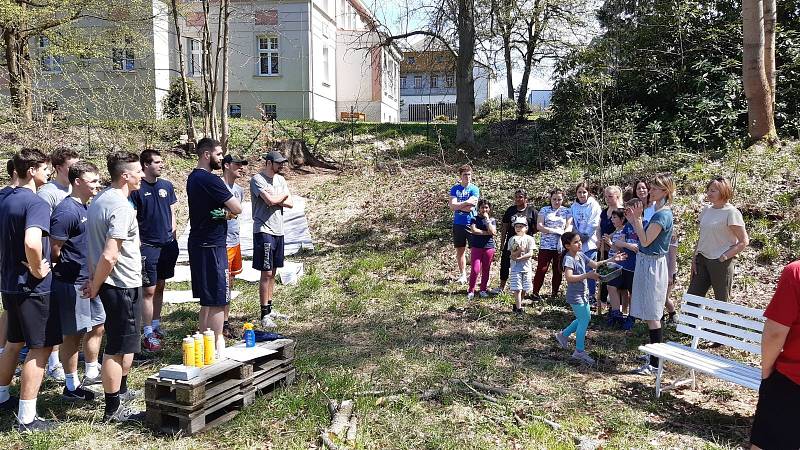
(585, 213)
(615, 286)
(629, 243)
(482, 229)
(574, 264)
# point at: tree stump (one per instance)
(298, 154)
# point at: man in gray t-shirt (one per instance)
(58, 188)
(232, 170)
(269, 194)
(115, 265)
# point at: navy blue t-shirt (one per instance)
(206, 192)
(22, 209)
(68, 224)
(606, 225)
(153, 203)
(481, 240)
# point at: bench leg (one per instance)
(694, 380)
(659, 373)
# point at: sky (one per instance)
(392, 14)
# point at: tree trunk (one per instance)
(224, 132)
(509, 64)
(535, 23)
(760, 119)
(209, 73)
(465, 83)
(190, 130)
(770, 19)
(19, 74)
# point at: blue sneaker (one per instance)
(629, 322)
(615, 319)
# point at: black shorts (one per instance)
(158, 263)
(267, 252)
(209, 269)
(123, 307)
(33, 319)
(777, 414)
(505, 263)
(626, 280)
(460, 236)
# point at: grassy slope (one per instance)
(377, 310)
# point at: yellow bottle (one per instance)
(199, 354)
(209, 346)
(188, 351)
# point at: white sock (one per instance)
(27, 411)
(91, 369)
(4, 395)
(156, 324)
(72, 381)
(2, 349)
(52, 361)
(148, 330)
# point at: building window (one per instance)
(449, 81)
(268, 55)
(412, 60)
(434, 81)
(49, 62)
(194, 57)
(326, 65)
(235, 111)
(122, 58)
(417, 82)
(269, 111)
(402, 82)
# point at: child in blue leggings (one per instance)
(574, 264)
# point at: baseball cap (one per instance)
(274, 156)
(521, 221)
(229, 158)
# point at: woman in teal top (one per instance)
(651, 276)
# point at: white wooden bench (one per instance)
(713, 321)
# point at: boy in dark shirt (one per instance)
(33, 319)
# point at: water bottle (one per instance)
(209, 347)
(188, 351)
(199, 353)
(249, 335)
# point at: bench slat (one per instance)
(743, 375)
(751, 313)
(743, 369)
(718, 328)
(723, 317)
(735, 343)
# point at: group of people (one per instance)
(80, 263)
(635, 231)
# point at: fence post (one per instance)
(501, 107)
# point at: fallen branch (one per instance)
(488, 398)
(495, 390)
(327, 442)
(351, 430)
(342, 418)
(553, 425)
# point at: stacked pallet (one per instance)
(219, 393)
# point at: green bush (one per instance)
(174, 101)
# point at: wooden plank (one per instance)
(722, 317)
(274, 379)
(721, 328)
(270, 373)
(730, 342)
(753, 313)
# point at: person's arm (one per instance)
(771, 345)
(593, 224)
(572, 278)
(634, 216)
(108, 259)
(174, 223)
(288, 203)
(270, 198)
(37, 265)
(55, 250)
(475, 230)
(568, 226)
(233, 205)
(491, 227)
(742, 241)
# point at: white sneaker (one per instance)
(462, 279)
(275, 315)
(470, 296)
(583, 357)
(267, 324)
(56, 372)
(646, 369)
(483, 294)
(563, 341)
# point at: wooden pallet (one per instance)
(217, 379)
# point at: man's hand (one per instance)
(38, 272)
(87, 291)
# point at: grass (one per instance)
(377, 310)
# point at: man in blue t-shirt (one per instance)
(155, 211)
(81, 318)
(25, 278)
(12, 183)
(211, 204)
(464, 197)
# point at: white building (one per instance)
(427, 84)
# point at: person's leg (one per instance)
(721, 275)
(3, 326)
(625, 301)
(582, 315)
(8, 362)
(30, 382)
(265, 289)
(68, 353)
(700, 279)
(112, 378)
(486, 267)
(613, 298)
(475, 255)
(148, 293)
(505, 268)
(668, 303)
(656, 336)
(91, 350)
(158, 303)
(542, 263)
(461, 260)
(603, 286)
(557, 275)
(571, 328)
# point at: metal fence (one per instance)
(424, 112)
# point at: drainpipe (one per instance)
(311, 58)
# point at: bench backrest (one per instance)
(721, 322)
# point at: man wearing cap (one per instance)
(233, 169)
(519, 208)
(155, 211)
(269, 194)
(211, 204)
